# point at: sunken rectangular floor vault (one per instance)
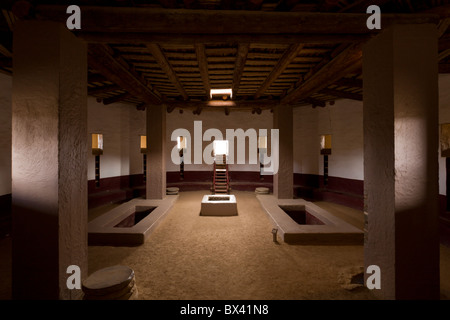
(130, 223)
(319, 227)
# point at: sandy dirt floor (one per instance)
(189, 256)
(197, 257)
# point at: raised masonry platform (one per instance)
(332, 230)
(125, 225)
(219, 205)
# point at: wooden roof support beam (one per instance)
(165, 66)
(346, 62)
(227, 4)
(117, 98)
(229, 104)
(361, 5)
(6, 62)
(102, 89)
(239, 66)
(170, 4)
(342, 94)
(177, 38)
(174, 21)
(444, 68)
(315, 103)
(279, 68)
(443, 54)
(203, 66)
(96, 77)
(101, 59)
(348, 82)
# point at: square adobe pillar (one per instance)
(49, 164)
(156, 159)
(283, 180)
(400, 70)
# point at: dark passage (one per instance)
(134, 218)
(300, 215)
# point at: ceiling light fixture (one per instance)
(223, 92)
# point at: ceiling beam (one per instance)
(342, 94)
(102, 59)
(174, 21)
(170, 4)
(361, 5)
(220, 104)
(315, 102)
(177, 38)
(165, 66)
(6, 62)
(279, 68)
(443, 26)
(117, 98)
(444, 68)
(349, 82)
(346, 62)
(96, 77)
(102, 89)
(239, 65)
(203, 66)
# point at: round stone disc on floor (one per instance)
(262, 190)
(108, 280)
(172, 190)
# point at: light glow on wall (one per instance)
(97, 143)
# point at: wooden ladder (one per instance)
(221, 182)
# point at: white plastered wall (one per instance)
(121, 126)
(343, 121)
(217, 120)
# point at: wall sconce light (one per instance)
(262, 149)
(181, 145)
(143, 144)
(97, 144)
(143, 140)
(97, 150)
(325, 150)
(445, 140)
(325, 144)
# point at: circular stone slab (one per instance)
(262, 190)
(172, 190)
(108, 280)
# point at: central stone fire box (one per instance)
(219, 205)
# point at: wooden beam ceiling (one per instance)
(315, 102)
(164, 64)
(349, 82)
(102, 59)
(102, 89)
(345, 63)
(197, 22)
(220, 104)
(279, 68)
(239, 65)
(117, 98)
(203, 66)
(342, 94)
